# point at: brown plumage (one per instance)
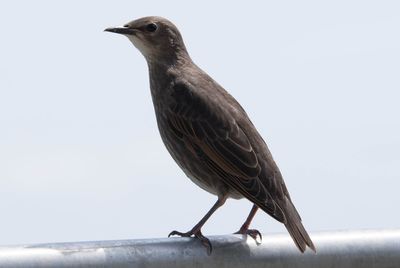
(208, 133)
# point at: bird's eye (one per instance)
(152, 27)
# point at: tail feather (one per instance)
(296, 229)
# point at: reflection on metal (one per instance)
(334, 249)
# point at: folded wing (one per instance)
(217, 139)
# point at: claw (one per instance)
(204, 241)
(253, 233)
(188, 234)
(197, 234)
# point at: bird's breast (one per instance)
(187, 159)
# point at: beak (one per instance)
(121, 30)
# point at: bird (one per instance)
(209, 134)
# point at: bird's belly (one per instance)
(194, 168)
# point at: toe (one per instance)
(205, 242)
(188, 234)
(255, 234)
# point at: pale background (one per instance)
(80, 154)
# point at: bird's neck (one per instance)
(162, 68)
(163, 73)
(174, 57)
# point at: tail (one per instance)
(296, 229)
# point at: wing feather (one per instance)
(221, 144)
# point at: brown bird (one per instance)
(209, 134)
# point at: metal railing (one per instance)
(345, 249)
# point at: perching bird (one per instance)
(209, 134)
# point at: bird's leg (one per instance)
(244, 230)
(196, 230)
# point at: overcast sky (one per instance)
(80, 153)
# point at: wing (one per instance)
(208, 128)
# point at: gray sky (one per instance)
(80, 154)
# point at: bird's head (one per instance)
(156, 38)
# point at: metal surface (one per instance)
(380, 249)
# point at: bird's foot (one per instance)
(197, 234)
(253, 233)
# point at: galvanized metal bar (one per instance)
(369, 249)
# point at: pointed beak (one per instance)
(121, 30)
